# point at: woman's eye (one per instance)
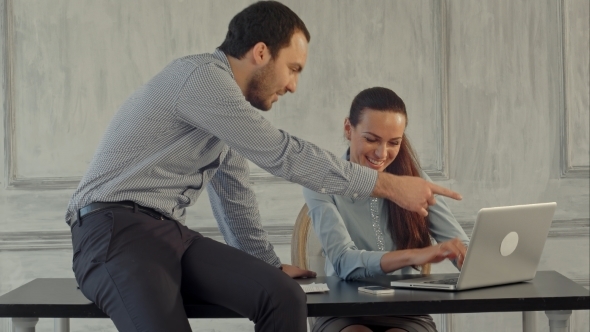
(372, 140)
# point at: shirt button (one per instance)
(323, 191)
(355, 195)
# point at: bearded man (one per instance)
(193, 126)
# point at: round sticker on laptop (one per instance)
(509, 244)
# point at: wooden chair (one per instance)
(306, 248)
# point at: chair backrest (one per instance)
(306, 248)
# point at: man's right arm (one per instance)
(211, 100)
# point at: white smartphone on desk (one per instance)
(376, 290)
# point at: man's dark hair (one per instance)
(269, 22)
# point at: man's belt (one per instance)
(99, 206)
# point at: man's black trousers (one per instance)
(139, 269)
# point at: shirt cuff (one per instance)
(374, 263)
(362, 182)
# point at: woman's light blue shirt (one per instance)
(350, 234)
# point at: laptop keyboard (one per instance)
(451, 281)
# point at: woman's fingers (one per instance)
(454, 249)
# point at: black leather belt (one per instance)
(98, 206)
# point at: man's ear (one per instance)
(260, 54)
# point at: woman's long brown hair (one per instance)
(407, 229)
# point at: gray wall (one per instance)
(497, 94)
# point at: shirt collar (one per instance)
(219, 55)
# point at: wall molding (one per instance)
(441, 51)
(10, 159)
(62, 240)
(559, 228)
(567, 169)
(7, 49)
(51, 183)
(277, 235)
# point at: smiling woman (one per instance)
(352, 231)
(375, 135)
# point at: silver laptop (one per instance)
(505, 247)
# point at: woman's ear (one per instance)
(347, 128)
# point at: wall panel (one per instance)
(74, 62)
(505, 107)
(504, 101)
(356, 45)
(576, 63)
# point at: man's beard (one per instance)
(258, 91)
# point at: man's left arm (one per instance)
(236, 211)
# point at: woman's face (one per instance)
(376, 139)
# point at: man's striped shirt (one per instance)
(190, 128)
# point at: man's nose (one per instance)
(292, 86)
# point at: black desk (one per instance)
(549, 291)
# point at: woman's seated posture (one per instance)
(370, 237)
